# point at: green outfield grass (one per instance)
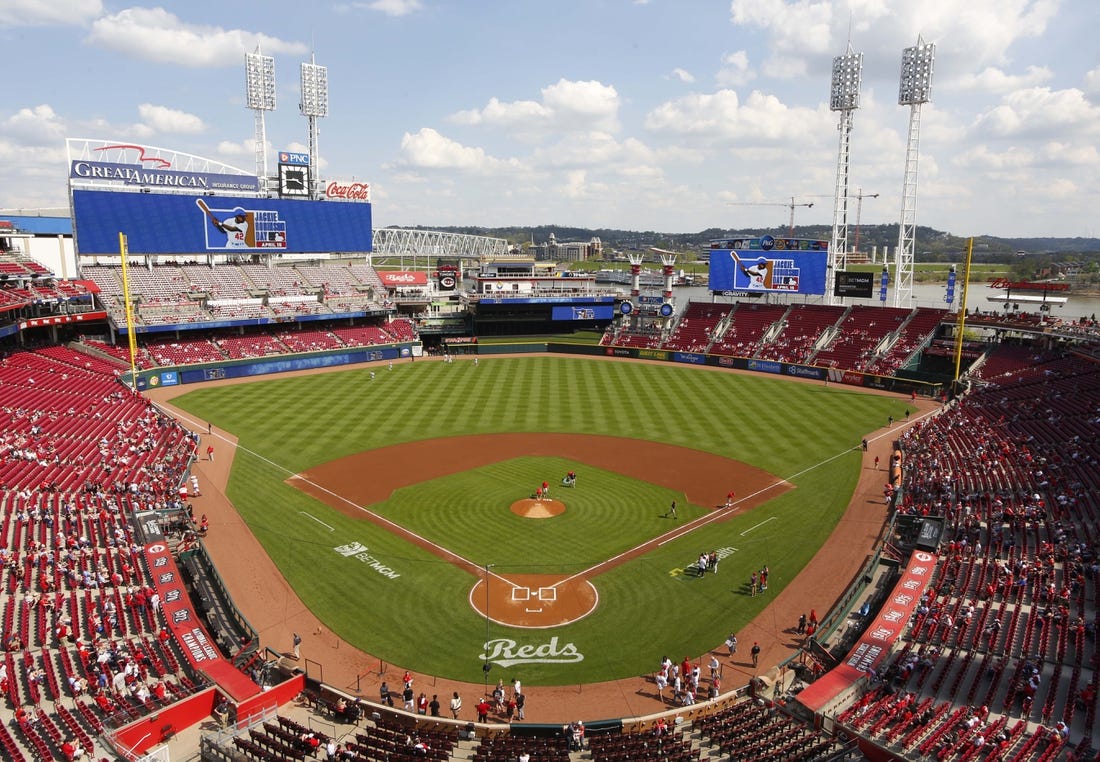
(411, 608)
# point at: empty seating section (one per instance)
(253, 345)
(121, 353)
(1006, 627)
(194, 293)
(220, 282)
(803, 326)
(914, 333)
(309, 341)
(183, 351)
(362, 336)
(697, 325)
(368, 276)
(83, 644)
(753, 729)
(640, 340)
(67, 424)
(748, 325)
(858, 335)
(333, 281)
(298, 307)
(240, 309)
(279, 281)
(401, 329)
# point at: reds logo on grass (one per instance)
(508, 653)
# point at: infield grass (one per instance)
(410, 608)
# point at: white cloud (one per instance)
(722, 115)
(565, 105)
(801, 31)
(428, 149)
(229, 148)
(735, 70)
(502, 114)
(994, 80)
(34, 126)
(984, 159)
(798, 25)
(1092, 81)
(683, 75)
(393, 8)
(164, 119)
(55, 12)
(1041, 111)
(396, 7)
(154, 34)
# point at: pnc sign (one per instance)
(290, 157)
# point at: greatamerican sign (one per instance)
(114, 173)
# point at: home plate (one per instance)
(533, 611)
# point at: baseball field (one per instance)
(400, 507)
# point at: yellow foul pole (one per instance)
(962, 309)
(122, 250)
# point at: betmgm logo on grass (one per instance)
(360, 551)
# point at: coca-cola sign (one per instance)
(348, 191)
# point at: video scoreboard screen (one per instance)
(769, 265)
(162, 223)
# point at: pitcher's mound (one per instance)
(538, 509)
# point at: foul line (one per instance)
(762, 523)
(310, 515)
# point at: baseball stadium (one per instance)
(277, 485)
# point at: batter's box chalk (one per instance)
(521, 593)
(548, 593)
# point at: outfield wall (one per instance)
(811, 372)
(191, 374)
(152, 378)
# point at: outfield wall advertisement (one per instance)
(194, 374)
(769, 265)
(163, 223)
(809, 372)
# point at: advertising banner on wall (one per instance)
(162, 223)
(876, 642)
(402, 278)
(337, 190)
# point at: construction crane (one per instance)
(859, 196)
(789, 204)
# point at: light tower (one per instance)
(260, 97)
(844, 97)
(313, 106)
(915, 89)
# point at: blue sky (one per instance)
(668, 115)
